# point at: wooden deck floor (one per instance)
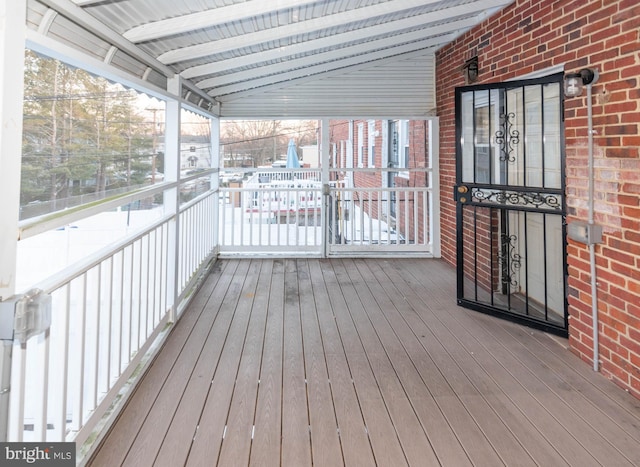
(363, 362)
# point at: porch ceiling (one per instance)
(227, 50)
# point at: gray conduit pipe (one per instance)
(592, 246)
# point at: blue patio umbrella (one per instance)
(292, 156)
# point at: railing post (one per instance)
(216, 162)
(172, 196)
(434, 184)
(6, 347)
(12, 40)
(324, 178)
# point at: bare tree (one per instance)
(263, 141)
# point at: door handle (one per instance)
(460, 193)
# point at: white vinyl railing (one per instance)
(107, 313)
(286, 211)
(198, 239)
(379, 220)
(275, 211)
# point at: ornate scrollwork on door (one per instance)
(509, 259)
(507, 137)
(528, 199)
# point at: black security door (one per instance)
(511, 251)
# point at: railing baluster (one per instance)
(417, 203)
(139, 307)
(153, 235)
(40, 346)
(381, 198)
(130, 309)
(296, 214)
(407, 224)
(96, 347)
(18, 386)
(242, 225)
(369, 204)
(223, 217)
(148, 285)
(78, 415)
(65, 372)
(162, 296)
(109, 328)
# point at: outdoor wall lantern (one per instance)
(573, 82)
(470, 70)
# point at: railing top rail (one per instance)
(197, 199)
(381, 169)
(268, 188)
(198, 174)
(413, 189)
(271, 187)
(36, 225)
(269, 169)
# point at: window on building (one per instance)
(371, 146)
(360, 144)
(403, 156)
(334, 149)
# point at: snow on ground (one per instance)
(43, 255)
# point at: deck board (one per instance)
(387, 358)
(580, 419)
(499, 435)
(459, 404)
(240, 424)
(212, 425)
(186, 383)
(131, 421)
(265, 448)
(296, 442)
(493, 364)
(551, 414)
(322, 418)
(355, 445)
(385, 440)
(177, 441)
(363, 362)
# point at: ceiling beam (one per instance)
(82, 18)
(364, 51)
(350, 36)
(209, 18)
(91, 24)
(292, 29)
(86, 2)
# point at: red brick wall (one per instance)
(533, 35)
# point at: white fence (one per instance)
(287, 211)
(276, 211)
(107, 312)
(379, 220)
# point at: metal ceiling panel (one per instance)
(398, 87)
(229, 50)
